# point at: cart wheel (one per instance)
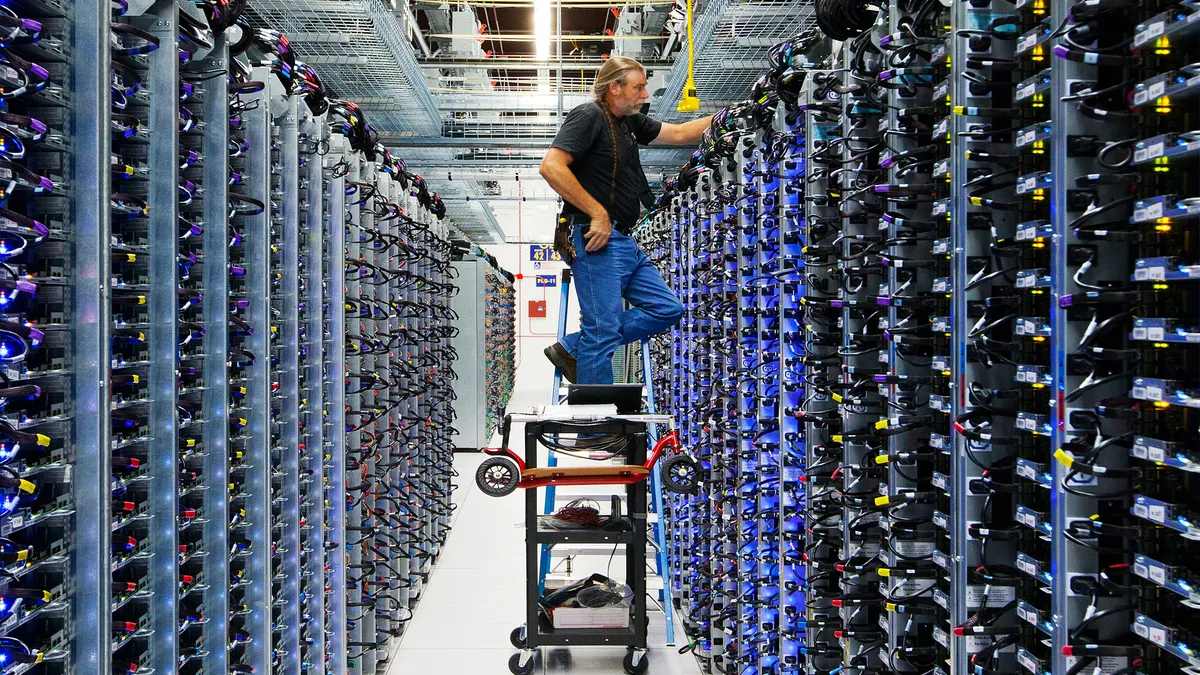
(514, 665)
(679, 474)
(517, 637)
(497, 476)
(642, 666)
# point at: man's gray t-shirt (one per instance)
(585, 135)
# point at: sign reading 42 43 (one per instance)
(543, 253)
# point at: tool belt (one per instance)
(562, 235)
(562, 239)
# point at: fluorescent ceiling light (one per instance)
(541, 28)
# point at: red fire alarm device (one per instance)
(537, 309)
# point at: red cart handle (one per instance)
(671, 439)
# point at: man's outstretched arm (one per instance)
(687, 133)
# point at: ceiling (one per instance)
(457, 91)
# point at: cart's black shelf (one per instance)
(552, 535)
(539, 632)
(596, 637)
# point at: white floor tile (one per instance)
(415, 661)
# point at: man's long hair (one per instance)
(615, 69)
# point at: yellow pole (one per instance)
(689, 102)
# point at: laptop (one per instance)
(627, 397)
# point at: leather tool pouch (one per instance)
(562, 241)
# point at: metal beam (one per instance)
(413, 27)
(337, 60)
(517, 174)
(441, 165)
(319, 38)
(90, 308)
(526, 121)
(467, 198)
(514, 143)
(566, 4)
(516, 63)
(492, 101)
(482, 104)
(530, 37)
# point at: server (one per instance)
(939, 354)
(209, 466)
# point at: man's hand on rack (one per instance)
(598, 232)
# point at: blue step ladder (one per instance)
(656, 497)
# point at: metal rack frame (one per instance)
(312, 464)
(216, 358)
(353, 439)
(336, 438)
(257, 243)
(91, 612)
(289, 384)
(163, 200)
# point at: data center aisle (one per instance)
(475, 595)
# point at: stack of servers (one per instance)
(500, 340)
(398, 399)
(176, 367)
(727, 233)
(987, 357)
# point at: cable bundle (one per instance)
(224, 13)
(844, 19)
(308, 84)
(781, 83)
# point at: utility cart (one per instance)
(538, 630)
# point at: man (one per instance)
(593, 164)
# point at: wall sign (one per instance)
(543, 253)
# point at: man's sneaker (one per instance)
(561, 360)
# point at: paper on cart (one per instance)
(578, 412)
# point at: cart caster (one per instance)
(517, 637)
(515, 665)
(635, 662)
(679, 474)
(497, 476)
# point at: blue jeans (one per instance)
(603, 278)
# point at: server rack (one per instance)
(398, 400)
(335, 362)
(313, 316)
(995, 293)
(485, 345)
(792, 446)
(823, 517)
(174, 354)
(217, 398)
(721, 233)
